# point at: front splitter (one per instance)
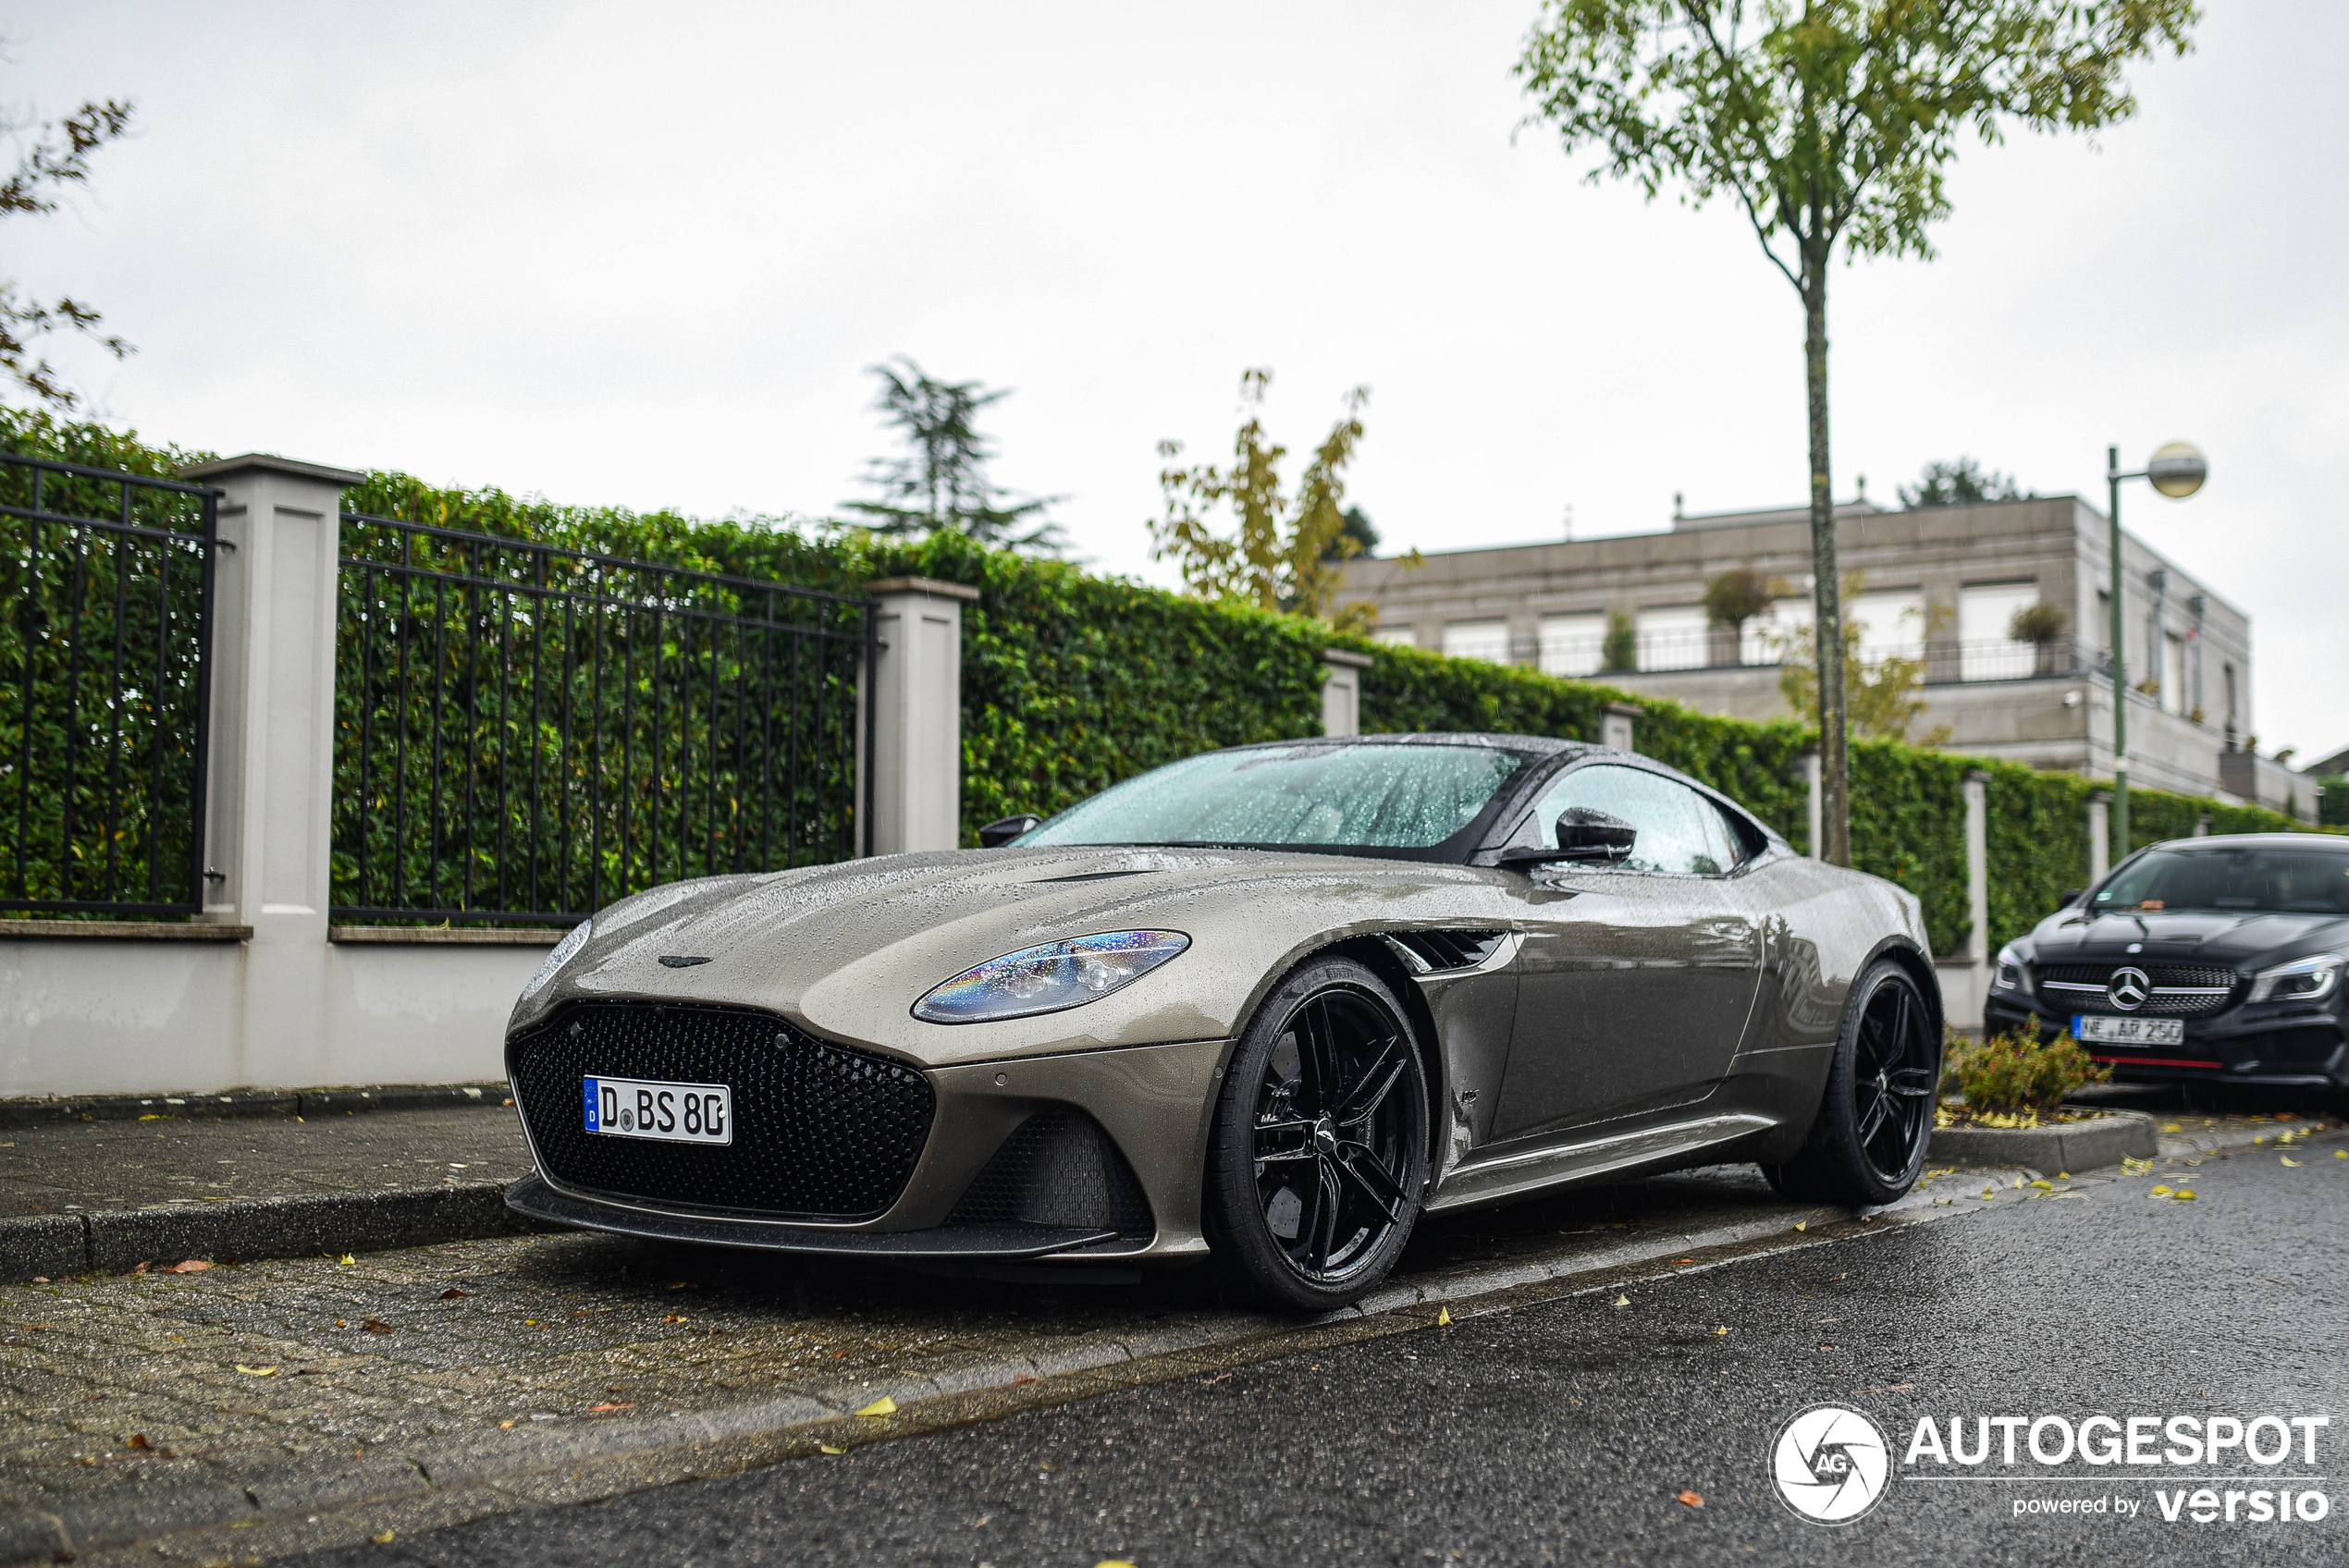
(533, 1196)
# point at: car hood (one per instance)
(849, 949)
(2238, 938)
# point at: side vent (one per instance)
(1433, 952)
(1057, 1168)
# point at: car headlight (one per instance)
(2008, 976)
(2302, 980)
(564, 952)
(1047, 979)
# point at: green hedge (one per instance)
(1073, 681)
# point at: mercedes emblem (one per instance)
(2128, 989)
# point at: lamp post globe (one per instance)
(2178, 468)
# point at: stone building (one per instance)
(1942, 584)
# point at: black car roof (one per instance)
(1537, 745)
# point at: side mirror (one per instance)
(2073, 896)
(1004, 829)
(1583, 834)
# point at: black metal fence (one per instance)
(525, 733)
(105, 634)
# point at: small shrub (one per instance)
(2017, 1076)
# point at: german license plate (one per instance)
(2129, 1031)
(679, 1113)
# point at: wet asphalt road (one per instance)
(1565, 1432)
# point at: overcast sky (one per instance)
(642, 254)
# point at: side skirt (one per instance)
(1508, 1175)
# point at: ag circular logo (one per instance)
(1831, 1463)
(2128, 989)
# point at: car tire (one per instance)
(1319, 1155)
(1867, 1145)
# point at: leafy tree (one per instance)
(1886, 696)
(1286, 554)
(942, 482)
(1829, 123)
(1947, 485)
(58, 157)
(1354, 529)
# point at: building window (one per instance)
(1397, 636)
(1573, 644)
(1890, 621)
(2173, 672)
(1986, 651)
(1478, 640)
(1674, 637)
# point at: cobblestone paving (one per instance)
(88, 1166)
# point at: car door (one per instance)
(1636, 979)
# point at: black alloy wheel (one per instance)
(1321, 1143)
(1876, 1117)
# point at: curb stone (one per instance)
(2069, 1145)
(241, 1103)
(115, 1240)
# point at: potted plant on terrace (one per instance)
(2041, 625)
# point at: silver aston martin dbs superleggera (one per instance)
(1266, 1004)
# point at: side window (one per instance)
(1680, 831)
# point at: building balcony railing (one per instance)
(1946, 663)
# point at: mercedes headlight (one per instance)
(1049, 978)
(564, 952)
(2302, 980)
(2008, 976)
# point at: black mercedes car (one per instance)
(2216, 959)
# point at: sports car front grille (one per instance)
(2180, 990)
(820, 1132)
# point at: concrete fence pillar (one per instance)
(1814, 805)
(270, 797)
(1975, 791)
(1342, 691)
(916, 693)
(2100, 836)
(2202, 826)
(1614, 725)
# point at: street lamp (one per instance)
(2177, 470)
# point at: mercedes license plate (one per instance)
(2129, 1031)
(681, 1113)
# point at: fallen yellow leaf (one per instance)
(2064, 1175)
(1113, 1563)
(2171, 1127)
(2161, 1192)
(1622, 1300)
(1987, 1195)
(347, 1260)
(2045, 1186)
(1802, 1224)
(881, 1406)
(2287, 1159)
(1442, 1316)
(256, 1371)
(2184, 1194)
(827, 1448)
(1718, 1332)
(386, 1538)
(2340, 1154)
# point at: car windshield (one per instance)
(2292, 880)
(1395, 797)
